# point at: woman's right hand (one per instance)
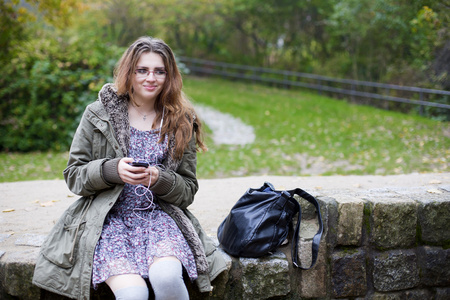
(130, 174)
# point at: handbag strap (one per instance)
(317, 237)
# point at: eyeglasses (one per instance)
(144, 73)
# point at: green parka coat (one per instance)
(64, 265)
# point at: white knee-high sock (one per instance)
(166, 278)
(132, 293)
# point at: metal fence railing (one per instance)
(354, 88)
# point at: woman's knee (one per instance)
(166, 278)
(166, 271)
(128, 286)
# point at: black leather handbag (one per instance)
(260, 220)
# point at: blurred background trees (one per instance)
(55, 55)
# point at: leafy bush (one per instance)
(45, 87)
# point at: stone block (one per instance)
(387, 296)
(393, 222)
(4, 236)
(350, 221)
(33, 240)
(395, 270)
(265, 277)
(348, 273)
(417, 295)
(308, 210)
(404, 295)
(434, 219)
(16, 272)
(329, 210)
(311, 283)
(442, 294)
(434, 264)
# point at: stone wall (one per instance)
(381, 244)
(385, 245)
(377, 244)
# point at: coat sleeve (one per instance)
(179, 187)
(83, 174)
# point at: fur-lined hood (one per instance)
(117, 108)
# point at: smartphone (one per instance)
(140, 163)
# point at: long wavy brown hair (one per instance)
(180, 118)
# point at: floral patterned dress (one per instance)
(136, 230)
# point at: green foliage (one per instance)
(45, 88)
(49, 73)
(423, 28)
(11, 29)
(373, 40)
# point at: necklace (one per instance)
(144, 116)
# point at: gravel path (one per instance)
(226, 128)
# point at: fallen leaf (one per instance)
(435, 181)
(434, 191)
(46, 204)
(8, 210)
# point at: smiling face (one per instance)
(146, 89)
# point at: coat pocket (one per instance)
(62, 244)
(98, 142)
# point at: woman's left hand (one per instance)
(153, 176)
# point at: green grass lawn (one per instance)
(297, 133)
